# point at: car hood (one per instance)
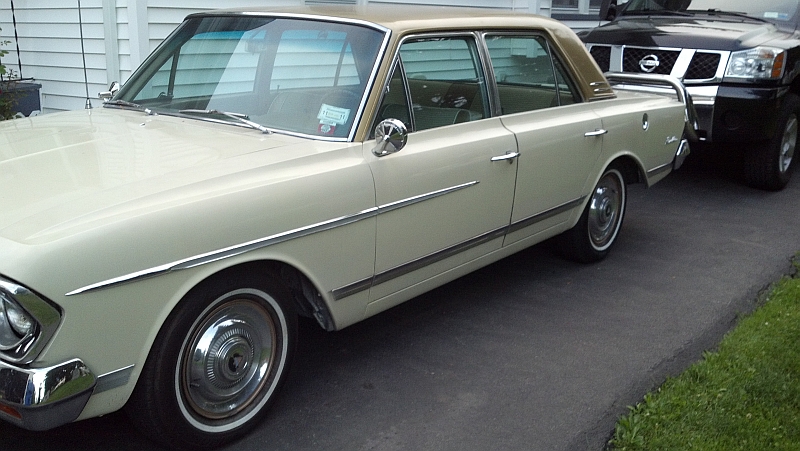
(708, 34)
(68, 172)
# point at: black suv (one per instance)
(739, 60)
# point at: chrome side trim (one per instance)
(353, 288)
(563, 208)
(405, 268)
(419, 263)
(271, 240)
(429, 259)
(113, 379)
(422, 197)
(659, 169)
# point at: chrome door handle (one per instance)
(509, 156)
(597, 132)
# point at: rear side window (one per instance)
(528, 76)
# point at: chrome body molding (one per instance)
(261, 243)
(113, 379)
(563, 208)
(43, 398)
(401, 270)
(362, 285)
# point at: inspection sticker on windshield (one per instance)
(333, 115)
(776, 15)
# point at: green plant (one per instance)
(743, 396)
(8, 96)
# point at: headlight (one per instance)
(761, 63)
(27, 322)
(16, 326)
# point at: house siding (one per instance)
(119, 34)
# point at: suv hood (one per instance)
(686, 32)
(67, 172)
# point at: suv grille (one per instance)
(703, 66)
(602, 55)
(661, 60)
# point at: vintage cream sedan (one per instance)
(325, 162)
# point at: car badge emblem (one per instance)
(649, 63)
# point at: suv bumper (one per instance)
(736, 114)
(43, 398)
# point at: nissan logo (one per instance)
(649, 63)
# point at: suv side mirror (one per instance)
(608, 9)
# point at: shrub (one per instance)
(8, 96)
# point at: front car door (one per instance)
(443, 201)
(559, 136)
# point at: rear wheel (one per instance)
(596, 231)
(769, 166)
(217, 364)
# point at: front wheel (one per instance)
(217, 364)
(770, 165)
(596, 231)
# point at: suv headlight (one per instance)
(27, 322)
(760, 63)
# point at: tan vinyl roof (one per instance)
(410, 18)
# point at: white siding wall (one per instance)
(119, 34)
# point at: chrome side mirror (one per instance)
(107, 95)
(391, 135)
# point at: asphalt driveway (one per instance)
(531, 353)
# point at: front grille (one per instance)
(602, 55)
(661, 61)
(703, 66)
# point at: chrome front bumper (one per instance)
(43, 398)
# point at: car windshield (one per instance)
(769, 10)
(297, 76)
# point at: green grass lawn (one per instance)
(745, 396)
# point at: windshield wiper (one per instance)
(655, 12)
(239, 117)
(719, 12)
(126, 104)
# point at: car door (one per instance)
(442, 200)
(559, 136)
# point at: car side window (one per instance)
(528, 76)
(445, 80)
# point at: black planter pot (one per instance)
(26, 96)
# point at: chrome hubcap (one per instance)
(605, 210)
(226, 360)
(788, 144)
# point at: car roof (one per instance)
(407, 18)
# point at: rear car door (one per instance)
(559, 136)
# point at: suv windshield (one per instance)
(770, 10)
(298, 76)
